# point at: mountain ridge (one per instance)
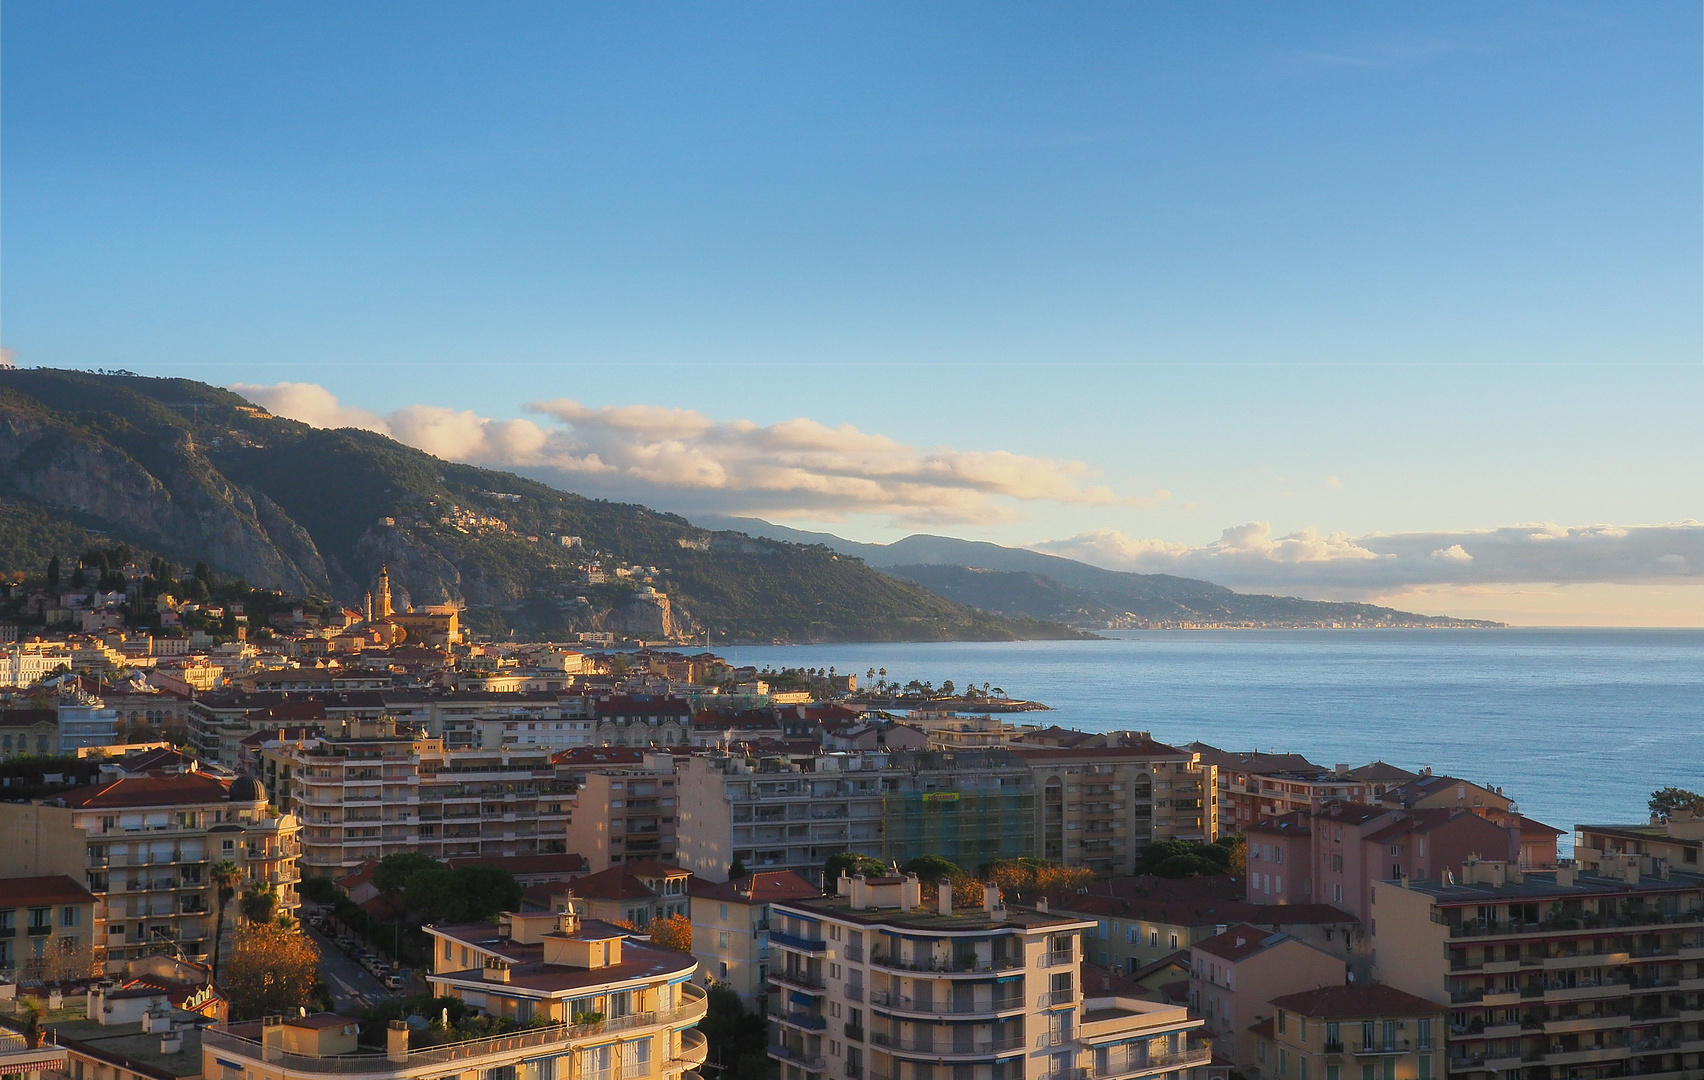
(1012, 580)
(196, 472)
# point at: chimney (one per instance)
(944, 896)
(1219, 929)
(271, 1038)
(1565, 876)
(910, 893)
(858, 892)
(1041, 905)
(991, 899)
(396, 1041)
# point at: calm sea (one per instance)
(1575, 725)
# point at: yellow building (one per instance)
(47, 928)
(1364, 1032)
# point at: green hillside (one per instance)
(194, 472)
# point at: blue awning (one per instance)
(799, 998)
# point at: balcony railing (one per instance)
(946, 1047)
(881, 958)
(883, 999)
(793, 941)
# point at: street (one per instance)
(352, 988)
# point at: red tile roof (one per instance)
(188, 789)
(1241, 942)
(51, 889)
(1355, 1002)
(763, 887)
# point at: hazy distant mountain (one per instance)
(1016, 581)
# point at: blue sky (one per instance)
(1364, 269)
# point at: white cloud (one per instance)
(1250, 557)
(686, 461)
(311, 404)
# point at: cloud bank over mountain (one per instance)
(1251, 557)
(689, 462)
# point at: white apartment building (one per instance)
(27, 663)
(875, 984)
(85, 721)
(365, 798)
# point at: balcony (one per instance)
(887, 1001)
(810, 1063)
(1183, 1059)
(801, 1020)
(945, 1048)
(800, 944)
(800, 979)
(955, 966)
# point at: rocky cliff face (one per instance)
(191, 509)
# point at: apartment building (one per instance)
(1146, 920)
(642, 720)
(28, 733)
(1235, 975)
(1678, 841)
(365, 798)
(1336, 852)
(781, 812)
(143, 846)
(624, 815)
(43, 917)
(1367, 1032)
(86, 722)
(604, 1005)
(874, 983)
(1100, 807)
(730, 929)
(1566, 974)
(470, 719)
(1255, 786)
(644, 1024)
(636, 893)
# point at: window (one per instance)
(1277, 854)
(722, 965)
(1302, 1064)
(69, 917)
(1334, 1072)
(722, 912)
(1337, 863)
(1333, 1035)
(1154, 939)
(722, 939)
(1369, 1071)
(1425, 1035)
(1283, 1062)
(1366, 1035)
(1389, 1068)
(1425, 1067)
(1281, 1020)
(41, 920)
(1302, 1029)
(1174, 940)
(449, 951)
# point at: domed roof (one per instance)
(247, 789)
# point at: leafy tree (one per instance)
(850, 864)
(465, 894)
(1017, 877)
(259, 903)
(224, 875)
(932, 868)
(62, 964)
(737, 1039)
(737, 870)
(673, 932)
(1665, 802)
(393, 873)
(272, 971)
(1181, 858)
(319, 890)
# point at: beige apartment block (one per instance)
(875, 983)
(1099, 807)
(1366, 1032)
(1565, 973)
(1235, 975)
(43, 918)
(1678, 841)
(143, 846)
(730, 929)
(624, 815)
(365, 798)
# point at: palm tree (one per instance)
(224, 875)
